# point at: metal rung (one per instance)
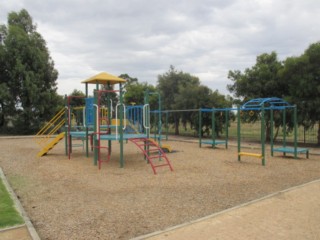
(162, 165)
(157, 156)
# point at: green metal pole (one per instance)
(167, 124)
(159, 120)
(213, 127)
(155, 127)
(284, 128)
(87, 128)
(227, 128)
(200, 127)
(66, 125)
(271, 131)
(295, 131)
(263, 136)
(238, 132)
(284, 132)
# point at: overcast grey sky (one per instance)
(142, 38)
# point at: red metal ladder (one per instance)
(99, 147)
(152, 151)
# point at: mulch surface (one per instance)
(73, 199)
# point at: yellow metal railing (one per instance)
(50, 128)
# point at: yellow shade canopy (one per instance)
(104, 78)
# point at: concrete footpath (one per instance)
(290, 214)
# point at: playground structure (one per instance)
(261, 105)
(257, 107)
(104, 124)
(104, 121)
(213, 141)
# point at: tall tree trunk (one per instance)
(176, 125)
(319, 133)
(276, 134)
(268, 132)
(2, 119)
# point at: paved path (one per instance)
(19, 233)
(291, 214)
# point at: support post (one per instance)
(160, 121)
(213, 128)
(69, 129)
(295, 131)
(284, 132)
(271, 131)
(200, 127)
(263, 137)
(167, 124)
(238, 133)
(87, 127)
(156, 130)
(227, 127)
(66, 125)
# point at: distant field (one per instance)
(251, 132)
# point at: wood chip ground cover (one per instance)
(72, 199)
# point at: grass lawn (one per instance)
(9, 216)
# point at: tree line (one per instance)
(27, 76)
(296, 80)
(28, 87)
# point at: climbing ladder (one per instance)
(99, 148)
(152, 151)
(51, 144)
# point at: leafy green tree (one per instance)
(303, 77)
(135, 92)
(5, 104)
(183, 91)
(210, 99)
(112, 95)
(27, 76)
(260, 81)
(170, 86)
(77, 98)
(130, 80)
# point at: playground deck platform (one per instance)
(213, 142)
(285, 150)
(126, 136)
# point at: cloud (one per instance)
(206, 38)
